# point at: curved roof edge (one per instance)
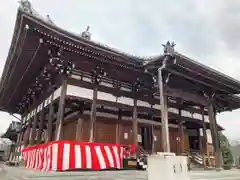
(30, 11)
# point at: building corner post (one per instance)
(164, 112)
(93, 115)
(61, 109)
(135, 123)
(215, 135)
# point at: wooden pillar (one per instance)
(61, 109)
(34, 128)
(118, 126)
(79, 130)
(152, 130)
(19, 138)
(20, 133)
(215, 136)
(153, 140)
(135, 124)
(93, 115)
(181, 132)
(204, 139)
(164, 113)
(117, 133)
(26, 134)
(41, 124)
(50, 121)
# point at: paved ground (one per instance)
(10, 173)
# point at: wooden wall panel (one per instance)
(69, 131)
(125, 134)
(158, 142)
(174, 136)
(85, 130)
(186, 143)
(105, 132)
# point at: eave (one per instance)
(191, 70)
(15, 55)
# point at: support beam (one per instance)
(153, 131)
(19, 138)
(164, 113)
(204, 139)
(50, 121)
(41, 123)
(181, 133)
(153, 140)
(34, 128)
(60, 113)
(79, 132)
(93, 115)
(21, 134)
(135, 123)
(118, 127)
(117, 133)
(26, 135)
(117, 92)
(177, 93)
(215, 136)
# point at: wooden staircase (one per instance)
(198, 160)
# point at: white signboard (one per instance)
(125, 135)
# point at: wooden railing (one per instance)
(207, 160)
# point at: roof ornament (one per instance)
(86, 34)
(168, 48)
(26, 6)
(49, 19)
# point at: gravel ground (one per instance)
(12, 173)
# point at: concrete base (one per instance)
(219, 169)
(20, 173)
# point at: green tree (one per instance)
(226, 150)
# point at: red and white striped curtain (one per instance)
(67, 155)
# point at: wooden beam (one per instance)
(50, 121)
(19, 138)
(215, 135)
(164, 113)
(34, 128)
(61, 108)
(128, 113)
(135, 123)
(181, 132)
(26, 134)
(196, 80)
(153, 141)
(41, 123)
(93, 115)
(204, 139)
(118, 126)
(149, 122)
(186, 96)
(118, 92)
(79, 132)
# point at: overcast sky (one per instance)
(207, 31)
